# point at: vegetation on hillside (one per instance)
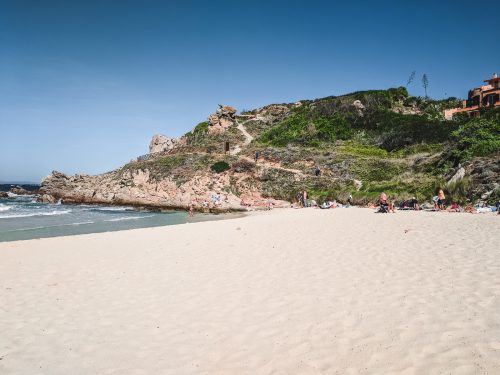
(365, 142)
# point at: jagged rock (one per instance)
(3, 194)
(459, 174)
(20, 191)
(46, 198)
(360, 108)
(358, 184)
(161, 143)
(223, 118)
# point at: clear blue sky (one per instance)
(85, 84)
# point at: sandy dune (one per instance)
(340, 291)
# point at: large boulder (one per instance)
(161, 143)
(20, 190)
(222, 119)
(359, 107)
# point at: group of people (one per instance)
(386, 205)
(302, 201)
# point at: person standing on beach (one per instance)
(304, 198)
(191, 210)
(441, 200)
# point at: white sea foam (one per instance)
(4, 208)
(87, 207)
(129, 218)
(51, 213)
(82, 223)
(50, 226)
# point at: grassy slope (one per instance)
(398, 144)
(403, 154)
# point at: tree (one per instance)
(425, 83)
(410, 78)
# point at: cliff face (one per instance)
(137, 187)
(363, 143)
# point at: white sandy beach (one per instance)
(341, 291)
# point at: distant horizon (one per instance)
(19, 183)
(86, 84)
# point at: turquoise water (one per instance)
(22, 218)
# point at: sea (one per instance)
(23, 218)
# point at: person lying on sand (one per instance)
(455, 207)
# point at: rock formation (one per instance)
(162, 143)
(360, 108)
(172, 176)
(138, 187)
(223, 118)
(20, 190)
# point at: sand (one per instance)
(342, 291)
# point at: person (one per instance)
(257, 155)
(392, 205)
(383, 204)
(191, 210)
(349, 200)
(304, 197)
(317, 171)
(441, 200)
(455, 207)
(300, 199)
(413, 204)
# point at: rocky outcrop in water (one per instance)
(19, 190)
(207, 191)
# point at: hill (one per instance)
(364, 143)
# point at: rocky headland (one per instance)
(363, 143)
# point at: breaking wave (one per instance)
(4, 208)
(130, 218)
(51, 213)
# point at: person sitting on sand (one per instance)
(413, 204)
(392, 205)
(383, 204)
(349, 200)
(299, 199)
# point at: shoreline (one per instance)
(285, 291)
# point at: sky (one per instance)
(84, 85)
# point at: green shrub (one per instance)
(304, 128)
(477, 137)
(220, 166)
